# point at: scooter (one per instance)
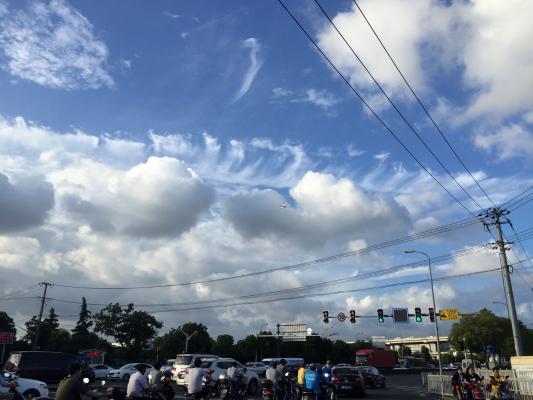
(12, 380)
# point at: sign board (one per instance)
(341, 317)
(449, 314)
(400, 315)
(7, 337)
(378, 342)
(293, 332)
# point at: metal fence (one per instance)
(521, 387)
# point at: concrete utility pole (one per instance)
(495, 214)
(38, 328)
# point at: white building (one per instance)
(415, 344)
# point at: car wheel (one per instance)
(126, 377)
(252, 387)
(31, 394)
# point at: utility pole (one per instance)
(38, 328)
(495, 215)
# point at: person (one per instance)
(300, 381)
(71, 387)
(138, 383)
(196, 375)
(6, 394)
(154, 378)
(470, 379)
(284, 386)
(327, 370)
(496, 380)
(312, 380)
(458, 380)
(166, 385)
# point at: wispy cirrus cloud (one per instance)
(54, 45)
(255, 65)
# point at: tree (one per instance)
(201, 341)
(6, 323)
(51, 321)
(84, 322)
(60, 341)
(404, 350)
(425, 353)
(131, 329)
(47, 327)
(224, 345)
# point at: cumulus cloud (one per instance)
(255, 65)
(24, 203)
(161, 197)
(54, 45)
(326, 208)
(508, 141)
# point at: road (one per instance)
(399, 387)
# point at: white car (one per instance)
(124, 372)
(101, 370)
(29, 388)
(258, 367)
(167, 365)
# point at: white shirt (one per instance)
(195, 380)
(137, 384)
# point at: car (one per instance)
(29, 388)
(101, 370)
(123, 373)
(373, 377)
(185, 361)
(47, 366)
(347, 380)
(258, 367)
(219, 367)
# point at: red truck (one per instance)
(378, 358)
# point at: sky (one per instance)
(164, 143)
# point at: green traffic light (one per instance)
(381, 320)
(418, 318)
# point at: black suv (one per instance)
(47, 366)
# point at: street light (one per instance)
(410, 251)
(187, 337)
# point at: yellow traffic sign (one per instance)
(449, 314)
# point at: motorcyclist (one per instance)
(71, 388)
(458, 380)
(300, 382)
(4, 383)
(496, 381)
(165, 385)
(196, 375)
(471, 378)
(138, 383)
(312, 380)
(327, 370)
(154, 378)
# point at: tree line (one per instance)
(135, 335)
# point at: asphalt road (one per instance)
(399, 387)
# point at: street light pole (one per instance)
(434, 308)
(187, 337)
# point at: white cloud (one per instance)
(281, 92)
(507, 142)
(255, 65)
(321, 98)
(384, 156)
(354, 152)
(54, 45)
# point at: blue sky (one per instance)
(140, 134)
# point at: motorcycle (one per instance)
(504, 392)
(327, 389)
(289, 386)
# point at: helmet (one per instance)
(312, 367)
(167, 374)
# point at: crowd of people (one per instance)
(469, 385)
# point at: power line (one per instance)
(422, 104)
(516, 197)
(424, 234)
(402, 116)
(372, 111)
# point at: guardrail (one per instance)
(522, 388)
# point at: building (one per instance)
(415, 344)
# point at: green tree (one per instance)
(248, 349)
(60, 340)
(199, 343)
(170, 344)
(47, 327)
(426, 355)
(52, 321)
(84, 321)
(131, 329)
(404, 351)
(224, 345)
(6, 323)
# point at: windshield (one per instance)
(363, 359)
(183, 360)
(13, 361)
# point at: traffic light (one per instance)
(418, 314)
(381, 317)
(352, 316)
(326, 317)
(432, 314)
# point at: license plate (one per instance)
(346, 387)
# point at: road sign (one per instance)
(7, 337)
(293, 332)
(400, 315)
(449, 314)
(341, 317)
